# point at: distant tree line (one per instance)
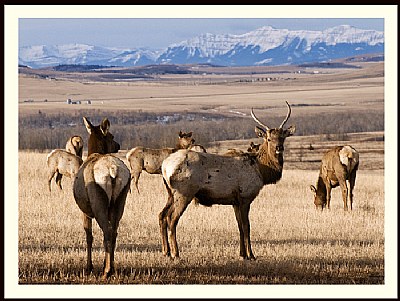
(44, 131)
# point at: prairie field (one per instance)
(294, 243)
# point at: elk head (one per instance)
(319, 196)
(100, 140)
(185, 139)
(273, 138)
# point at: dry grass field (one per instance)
(292, 241)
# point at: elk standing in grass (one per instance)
(60, 162)
(224, 180)
(100, 190)
(338, 168)
(75, 145)
(150, 159)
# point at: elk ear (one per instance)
(313, 189)
(105, 126)
(189, 134)
(88, 125)
(259, 131)
(180, 134)
(290, 131)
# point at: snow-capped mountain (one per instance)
(44, 56)
(264, 46)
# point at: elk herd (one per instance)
(102, 181)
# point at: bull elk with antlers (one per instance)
(100, 190)
(224, 180)
(339, 167)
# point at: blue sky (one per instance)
(158, 33)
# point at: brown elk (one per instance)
(61, 162)
(224, 180)
(100, 190)
(339, 167)
(74, 145)
(150, 159)
(234, 152)
(253, 148)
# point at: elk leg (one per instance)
(345, 189)
(328, 196)
(244, 213)
(102, 216)
(352, 183)
(240, 225)
(51, 175)
(58, 179)
(135, 177)
(162, 219)
(349, 194)
(178, 207)
(87, 225)
(115, 213)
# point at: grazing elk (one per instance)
(150, 159)
(100, 190)
(224, 180)
(339, 166)
(75, 145)
(60, 162)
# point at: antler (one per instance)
(287, 116)
(258, 121)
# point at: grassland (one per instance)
(293, 242)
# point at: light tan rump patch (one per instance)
(348, 157)
(111, 174)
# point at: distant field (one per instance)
(337, 90)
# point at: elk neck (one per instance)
(321, 188)
(270, 164)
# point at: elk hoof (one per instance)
(89, 269)
(251, 257)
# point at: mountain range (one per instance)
(266, 46)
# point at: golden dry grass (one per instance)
(293, 242)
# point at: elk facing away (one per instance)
(224, 180)
(338, 168)
(100, 190)
(75, 145)
(150, 159)
(65, 162)
(62, 163)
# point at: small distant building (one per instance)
(89, 102)
(70, 102)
